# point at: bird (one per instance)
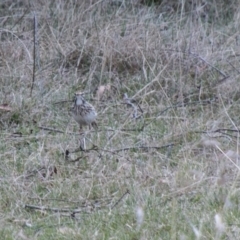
(83, 112)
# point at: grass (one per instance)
(170, 173)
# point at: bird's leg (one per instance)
(94, 125)
(82, 139)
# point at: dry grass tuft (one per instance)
(164, 79)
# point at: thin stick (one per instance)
(51, 129)
(233, 66)
(20, 19)
(56, 130)
(197, 56)
(222, 131)
(143, 147)
(82, 203)
(62, 101)
(34, 52)
(180, 104)
(120, 199)
(218, 70)
(74, 211)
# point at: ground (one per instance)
(164, 79)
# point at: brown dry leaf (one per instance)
(102, 89)
(5, 107)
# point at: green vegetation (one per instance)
(165, 166)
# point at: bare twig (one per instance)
(20, 19)
(218, 70)
(83, 203)
(112, 152)
(222, 131)
(42, 208)
(63, 101)
(233, 66)
(143, 147)
(56, 130)
(34, 52)
(52, 129)
(103, 130)
(220, 81)
(184, 104)
(197, 56)
(120, 199)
